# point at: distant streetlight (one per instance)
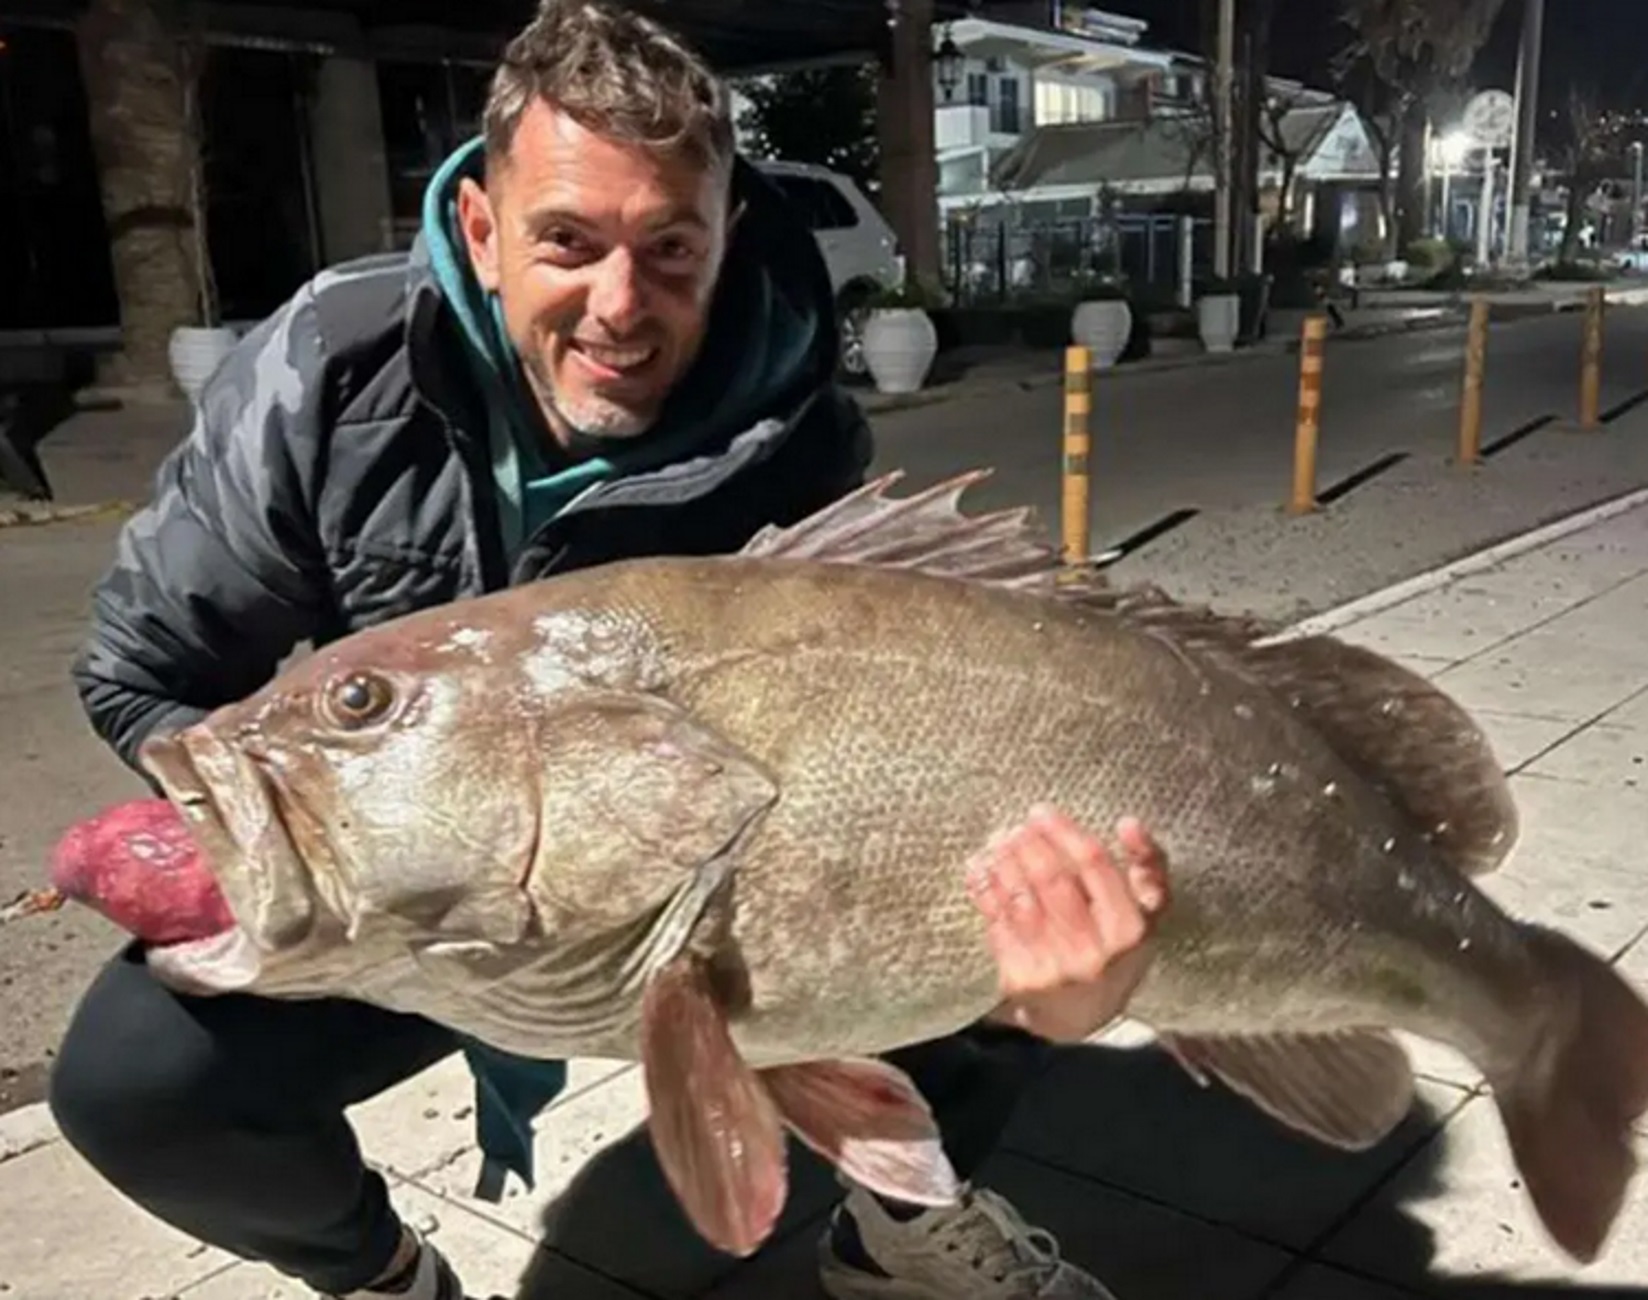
(949, 61)
(1451, 150)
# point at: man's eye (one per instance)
(675, 252)
(564, 243)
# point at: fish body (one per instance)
(713, 814)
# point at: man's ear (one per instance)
(480, 231)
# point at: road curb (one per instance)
(26, 1129)
(1433, 579)
(34, 514)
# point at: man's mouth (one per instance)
(607, 362)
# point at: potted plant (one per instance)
(899, 338)
(1219, 315)
(1102, 320)
(196, 351)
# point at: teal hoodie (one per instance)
(759, 344)
(763, 335)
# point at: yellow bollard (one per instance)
(1470, 405)
(1590, 368)
(1309, 426)
(1078, 442)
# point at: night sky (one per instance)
(1602, 42)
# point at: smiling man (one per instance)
(611, 339)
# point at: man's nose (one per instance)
(617, 297)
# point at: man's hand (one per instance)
(1068, 927)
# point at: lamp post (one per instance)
(948, 62)
(1636, 193)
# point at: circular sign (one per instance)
(1490, 119)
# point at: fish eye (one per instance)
(359, 699)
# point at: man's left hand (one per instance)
(1069, 929)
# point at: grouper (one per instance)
(714, 814)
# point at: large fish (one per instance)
(714, 814)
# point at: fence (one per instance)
(992, 259)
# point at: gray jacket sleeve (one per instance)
(219, 576)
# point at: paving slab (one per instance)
(1463, 1198)
(495, 1260)
(64, 1234)
(1205, 1150)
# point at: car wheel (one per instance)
(851, 312)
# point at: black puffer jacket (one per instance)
(338, 475)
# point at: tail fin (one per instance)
(1568, 1107)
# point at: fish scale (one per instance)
(713, 814)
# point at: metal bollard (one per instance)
(1590, 367)
(1309, 425)
(1470, 405)
(1078, 442)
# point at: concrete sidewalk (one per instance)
(1170, 1193)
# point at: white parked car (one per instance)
(859, 246)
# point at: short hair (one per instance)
(616, 73)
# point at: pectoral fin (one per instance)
(868, 1120)
(714, 1126)
(1349, 1090)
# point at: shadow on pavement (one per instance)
(1164, 1190)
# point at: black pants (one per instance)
(224, 1116)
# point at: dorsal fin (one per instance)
(926, 532)
(1403, 735)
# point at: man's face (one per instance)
(604, 257)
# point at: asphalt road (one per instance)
(1221, 437)
(1215, 440)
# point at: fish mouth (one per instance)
(235, 817)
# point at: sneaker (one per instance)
(428, 1277)
(980, 1249)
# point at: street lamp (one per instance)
(1452, 150)
(949, 61)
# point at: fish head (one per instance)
(381, 790)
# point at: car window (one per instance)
(821, 204)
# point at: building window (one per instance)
(1060, 101)
(429, 109)
(55, 271)
(978, 89)
(1006, 118)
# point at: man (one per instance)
(611, 339)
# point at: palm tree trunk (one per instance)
(144, 149)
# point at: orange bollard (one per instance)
(1309, 426)
(1078, 443)
(1590, 367)
(1470, 405)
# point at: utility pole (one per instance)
(1527, 132)
(1224, 114)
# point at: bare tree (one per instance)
(1417, 49)
(1588, 151)
(1380, 108)
(1288, 154)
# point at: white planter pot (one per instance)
(1103, 328)
(196, 352)
(1219, 317)
(899, 346)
